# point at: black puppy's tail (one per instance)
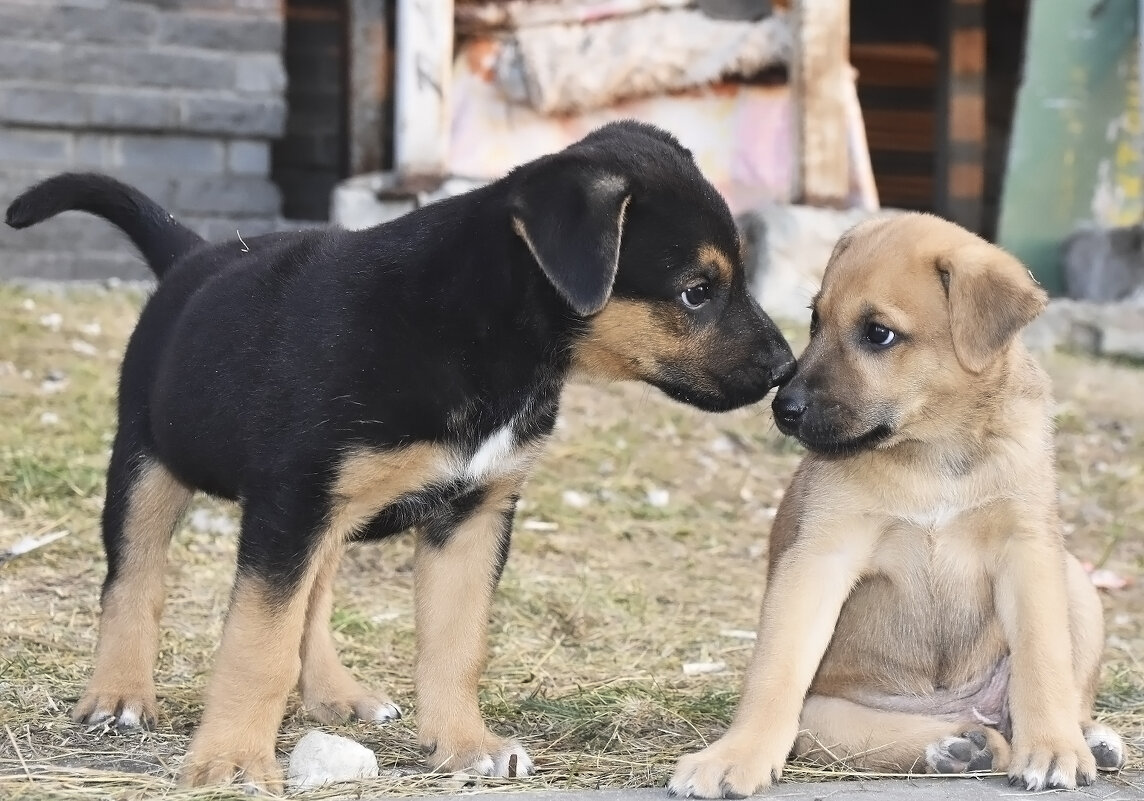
(158, 236)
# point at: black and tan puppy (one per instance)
(350, 385)
(921, 612)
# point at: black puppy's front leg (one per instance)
(458, 562)
(287, 544)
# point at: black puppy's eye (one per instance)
(696, 295)
(879, 336)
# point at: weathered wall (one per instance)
(179, 97)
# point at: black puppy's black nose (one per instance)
(789, 406)
(783, 373)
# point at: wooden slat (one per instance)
(912, 65)
(822, 33)
(905, 190)
(911, 131)
(962, 143)
(368, 84)
(424, 68)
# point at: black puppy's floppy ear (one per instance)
(992, 296)
(571, 216)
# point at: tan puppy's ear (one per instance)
(992, 296)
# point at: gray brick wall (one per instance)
(179, 97)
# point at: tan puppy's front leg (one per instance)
(1049, 748)
(805, 593)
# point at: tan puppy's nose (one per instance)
(789, 406)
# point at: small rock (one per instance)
(659, 498)
(83, 348)
(539, 525)
(319, 759)
(54, 381)
(49, 419)
(92, 329)
(209, 522)
(28, 304)
(577, 500)
(701, 668)
(52, 321)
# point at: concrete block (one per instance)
(262, 73)
(69, 266)
(248, 157)
(257, 117)
(43, 105)
(226, 195)
(1104, 264)
(28, 147)
(105, 65)
(135, 109)
(222, 32)
(93, 151)
(174, 154)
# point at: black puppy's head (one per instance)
(643, 248)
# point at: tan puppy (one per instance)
(921, 612)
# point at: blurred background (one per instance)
(1019, 119)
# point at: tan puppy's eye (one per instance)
(879, 336)
(813, 321)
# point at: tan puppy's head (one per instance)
(908, 334)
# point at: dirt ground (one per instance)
(638, 554)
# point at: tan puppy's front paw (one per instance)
(728, 768)
(1052, 762)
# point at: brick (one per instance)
(247, 8)
(135, 109)
(261, 73)
(221, 32)
(34, 147)
(43, 105)
(174, 154)
(165, 67)
(214, 229)
(94, 152)
(245, 157)
(72, 231)
(117, 23)
(233, 116)
(226, 195)
(69, 265)
(31, 61)
(22, 22)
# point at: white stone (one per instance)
(577, 500)
(787, 248)
(319, 759)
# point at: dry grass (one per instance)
(606, 597)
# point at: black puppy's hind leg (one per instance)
(143, 505)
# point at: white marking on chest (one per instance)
(495, 455)
(935, 517)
